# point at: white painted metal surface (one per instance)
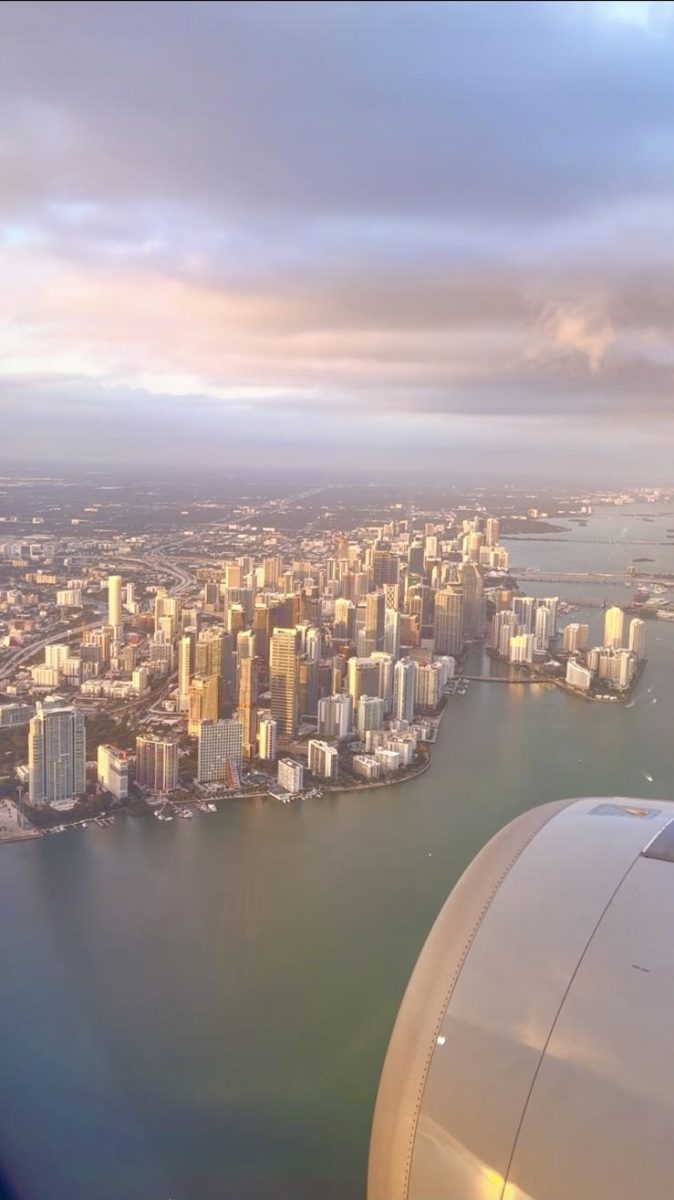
(531, 1059)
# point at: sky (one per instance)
(418, 237)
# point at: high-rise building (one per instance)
(323, 759)
(575, 637)
(166, 606)
(115, 604)
(363, 679)
(493, 531)
(614, 627)
(308, 693)
(370, 713)
(203, 702)
(248, 683)
(284, 679)
(392, 626)
(157, 763)
(213, 656)
(404, 685)
(56, 654)
(448, 625)
(474, 605)
(220, 752)
(624, 670)
(290, 775)
(384, 566)
(428, 685)
(185, 670)
(522, 648)
(335, 716)
(15, 714)
(344, 626)
(542, 629)
(504, 619)
(267, 738)
(524, 608)
(56, 754)
(373, 629)
(577, 675)
(551, 603)
(386, 664)
(472, 545)
(113, 771)
(637, 638)
(273, 570)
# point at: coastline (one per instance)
(335, 789)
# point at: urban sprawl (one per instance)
(139, 672)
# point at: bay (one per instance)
(200, 1010)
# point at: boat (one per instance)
(630, 705)
(654, 700)
(647, 777)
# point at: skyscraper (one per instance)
(157, 763)
(385, 663)
(404, 684)
(384, 566)
(575, 638)
(284, 679)
(56, 754)
(335, 715)
(185, 669)
(363, 679)
(392, 632)
(323, 759)
(113, 771)
(448, 625)
(542, 629)
(345, 620)
(373, 629)
(266, 732)
(248, 676)
(524, 608)
(614, 627)
(637, 638)
(213, 656)
(203, 702)
(370, 714)
(474, 606)
(220, 752)
(493, 531)
(115, 604)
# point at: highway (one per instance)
(24, 652)
(183, 582)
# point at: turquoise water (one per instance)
(200, 1010)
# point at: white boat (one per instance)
(654, 700)
(649, 778)
(630, 705)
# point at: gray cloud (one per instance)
(420, 208)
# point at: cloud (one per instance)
(428, 211)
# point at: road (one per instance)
(184, 581)
(24, 652)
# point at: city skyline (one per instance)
(442, 246)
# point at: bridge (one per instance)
(506, 679)
(535, 576)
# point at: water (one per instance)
(200, 1010)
